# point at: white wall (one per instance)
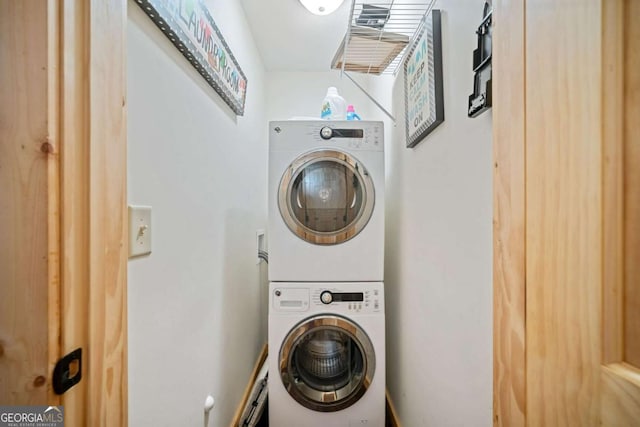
(196, 321)
(438, 265)
(300, 94)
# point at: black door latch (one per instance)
(68, 371)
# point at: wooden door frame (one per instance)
(93, 214)
(509, 274)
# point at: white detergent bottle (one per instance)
(334, 107)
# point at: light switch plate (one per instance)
(139, 230)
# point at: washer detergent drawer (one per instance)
(290, 300)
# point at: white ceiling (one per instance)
(292, 39)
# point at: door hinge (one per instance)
(67, 372)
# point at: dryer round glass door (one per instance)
(326, 197)
(327, 363)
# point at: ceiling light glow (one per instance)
(321, 7)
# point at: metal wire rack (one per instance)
(379, 35)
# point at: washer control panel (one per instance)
(327, 297)
(364, 301)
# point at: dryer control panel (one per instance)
(352, 137)
(355, 135)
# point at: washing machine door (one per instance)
(327, 363)
(326, 197)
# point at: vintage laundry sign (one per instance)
(190, 27)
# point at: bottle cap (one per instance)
(350, 109)
(332, 91)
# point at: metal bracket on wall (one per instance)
(384, 110)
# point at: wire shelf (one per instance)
(378, 34)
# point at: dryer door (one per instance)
(326, 197)
(327, 363)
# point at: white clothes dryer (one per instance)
(326, 201)
(326, 354)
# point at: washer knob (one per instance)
(326, 132)
(326, 297)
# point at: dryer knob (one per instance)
(326, 297)
(326, 132)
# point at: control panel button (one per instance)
(326, 297)
(326, 132)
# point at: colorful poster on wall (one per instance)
(423, 92)
(190, 27)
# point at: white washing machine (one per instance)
(326, 201)
(326, 354)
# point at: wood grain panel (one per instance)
(632, 182)
(620, 396)
(27, 146)
(74, 218)
(54, 195)
(613, 184)
(509, 214)
(620, 382)
(564, 211)
(107, 362)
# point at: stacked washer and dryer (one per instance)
(326, 262)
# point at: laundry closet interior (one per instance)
(320, 213)
(401, 223)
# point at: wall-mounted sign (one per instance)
(424, 98)
(190, 27)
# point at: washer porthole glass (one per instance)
(327, 360)
(327, 363)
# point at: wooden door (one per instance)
(567, 213)
(29, 278)
(63, 204)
